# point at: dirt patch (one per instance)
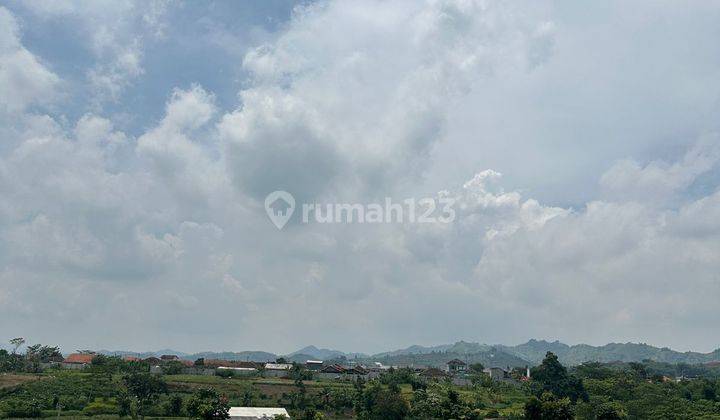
(10, 381)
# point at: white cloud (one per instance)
(367, 109)
(24, 80)
(164, 231)
(659, 181)
(116, 32)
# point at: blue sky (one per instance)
(139, 140)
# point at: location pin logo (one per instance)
(279, 206)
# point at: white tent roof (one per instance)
(278, 366)
(256, 412)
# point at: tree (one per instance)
(378, 403)
(390, 405)
(548, 407)
(608, 412)
(173, 367)
(553, 377)
(477, 368)
(477, 374)
(42, 354)
(145, 387)
(207, 404)
(593, 370)
(7, 362)
(638, 369)
(247, 397)
(124, 404)
(16, 343)
(174, 406)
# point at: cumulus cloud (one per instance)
(163, 231)
(24, 80)
(115, 32)
(367, 109)
(660, 181)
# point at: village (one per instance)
(42, 382)
(456, 371)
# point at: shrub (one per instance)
(20, 408)
(100, 406)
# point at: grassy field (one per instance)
(263, 391)
(11, 380)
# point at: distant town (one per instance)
(534, 380)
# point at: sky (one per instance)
(577, 141)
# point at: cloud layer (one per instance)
(125, 235)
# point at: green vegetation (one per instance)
(113, 388)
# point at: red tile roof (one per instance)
(77, 358)
(356, 370)
(333, 369)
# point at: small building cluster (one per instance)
(455, 370)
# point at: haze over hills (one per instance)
(323, 354)
(529, 353)
(534, 350)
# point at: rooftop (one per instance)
(256, 412)
(78, 358)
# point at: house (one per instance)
(314, 365)
(77, 360)
(131, 359)
(239, 370)
(331, 372)
(277, 370)
(433, 374)
(169, 357)
(354, 373)
(455, 366)
(497, 374)
(209, 367)
(376, 370)
(257, 413)
(152, 361)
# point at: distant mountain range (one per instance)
(530, 353)
(256, 356)
(324, 354)
(534, 350)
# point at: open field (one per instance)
(9, 380)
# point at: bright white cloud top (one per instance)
(139, 141)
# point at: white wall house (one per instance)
(257, 413)
(277, 370)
